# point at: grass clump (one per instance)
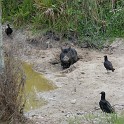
(12, 82)
(96, 118)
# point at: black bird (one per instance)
(108, 64)
(8, 30)
(105, 105)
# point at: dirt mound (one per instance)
(117, 47)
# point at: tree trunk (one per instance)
(1, 42)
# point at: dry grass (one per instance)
(12, 82)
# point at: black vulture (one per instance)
(105, 105)
(8, 30)
(108, 64)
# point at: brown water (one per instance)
(35, 83)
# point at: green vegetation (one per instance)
(97, 119)
(95, 19)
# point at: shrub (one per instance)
(12, 82)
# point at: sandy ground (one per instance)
(79, 86)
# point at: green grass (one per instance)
(96, 119)
(94, 18)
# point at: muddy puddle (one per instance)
(35, 83)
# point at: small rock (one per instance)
(73, 101)
(37, 123)
(56, 38)
(72, 93)
(62, 111)
(82, 73)
(79, 113)
(34, 115)
(54, 96)
(75, 89)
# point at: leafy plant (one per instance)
(97, 19)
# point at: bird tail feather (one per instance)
(113, 70)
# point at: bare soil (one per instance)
(79, 86)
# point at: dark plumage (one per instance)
(108, 64)
(8, 30)
(105, 105)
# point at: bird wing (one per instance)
(108, 65)
(106, 106)
(109, 106)
(101, 105)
